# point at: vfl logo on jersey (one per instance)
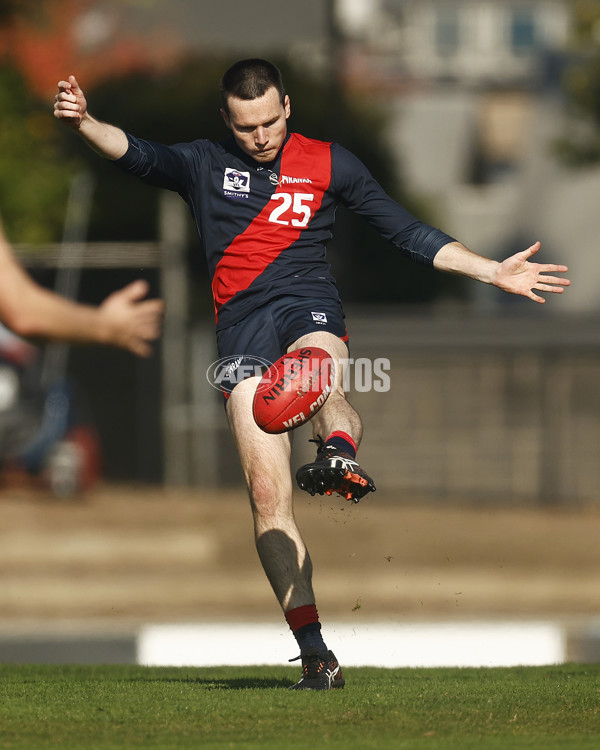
(236, 184)
(319, 318)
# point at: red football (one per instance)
(293, 389)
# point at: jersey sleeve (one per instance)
(357, 189)
(170, 167)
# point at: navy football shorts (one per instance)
(250, 346)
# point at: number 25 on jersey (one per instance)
(291, 209)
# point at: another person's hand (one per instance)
(131, 321)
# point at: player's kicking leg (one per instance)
(337, 430)
(265, 461)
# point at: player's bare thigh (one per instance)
(332, 344)
(261, 454)
(336, 413)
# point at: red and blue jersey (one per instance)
(264, 227)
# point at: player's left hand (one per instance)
(132, 321)
(517, 275)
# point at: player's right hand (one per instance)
(70, 105)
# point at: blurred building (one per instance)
(474, 87)
(470, 42)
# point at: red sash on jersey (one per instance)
(305, 171)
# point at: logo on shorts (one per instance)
(319, 318)
(236, 184)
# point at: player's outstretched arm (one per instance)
(516, 274)
(125, 319)
(70, 107)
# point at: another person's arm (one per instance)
(124, 319)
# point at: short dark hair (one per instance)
(250, 79)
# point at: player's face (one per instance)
(259, 126)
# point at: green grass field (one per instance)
(249, 707)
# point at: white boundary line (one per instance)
(472, 644)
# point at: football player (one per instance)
(264, 202)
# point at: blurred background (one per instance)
(481, 116)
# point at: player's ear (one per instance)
(225, 117)
(287, 106)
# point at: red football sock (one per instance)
(305, 625)
(300, 616)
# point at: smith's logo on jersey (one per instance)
(236, 184)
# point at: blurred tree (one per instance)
(581, 143)
(11, 9)
(34, 175)
(47, 41)
(40, 43)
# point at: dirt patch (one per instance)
(135, 554)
